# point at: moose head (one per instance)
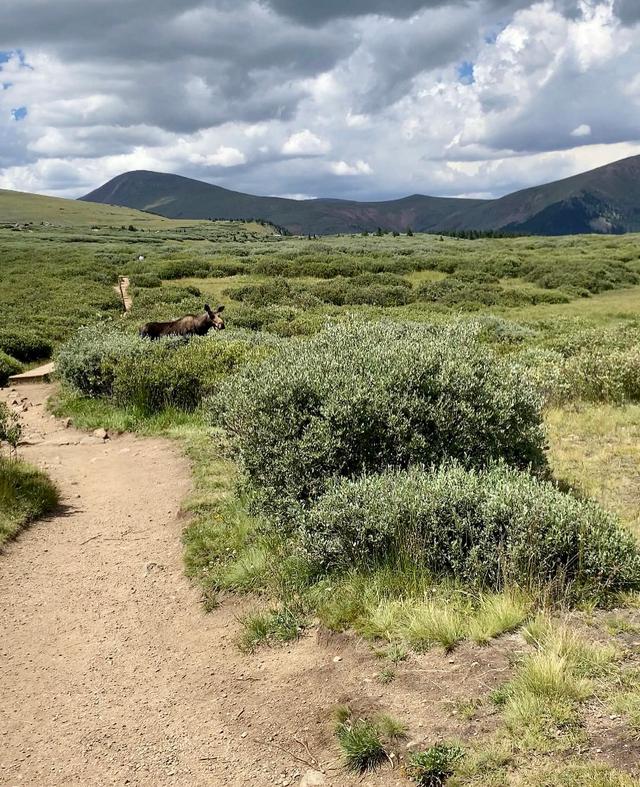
(215, 320)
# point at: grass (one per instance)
(541, 703)
(258, 628)
(25, 495)
(576, 774)
(361, 745)
(596, 448)
(433, 767)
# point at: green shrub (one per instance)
(179, 269)
(374, 289)
(488, 528)
(602, 375)
(361, 745)
(472, 290)
(363, 397)
(595, 370)
(88, 362)
(431, 768)
(8, 367)
(145, 280)
(221, 270)
(176, 373)
(24, 345)
(10, 427)
(275, 291)
(173, 372)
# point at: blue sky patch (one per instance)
(19, 113)
(465, 73)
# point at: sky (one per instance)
(357, 99)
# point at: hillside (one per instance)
(604, 200)
(17, 207)
(178, 197)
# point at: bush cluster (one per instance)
(384, 289)
(145, 280)
(599, 366)
(475, 291)
(24, 345)
(362, 397)
(172, 372)
(8, 367)
(489, 528)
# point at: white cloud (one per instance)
(225, 157)
(359, 167)
(305, 143)
(583, 130)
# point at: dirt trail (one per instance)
(122, 289)
(111, 673)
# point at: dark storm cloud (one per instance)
(628, 10)
(319, 11)
(398, 52)
(181, 66)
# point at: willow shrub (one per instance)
(8, 367)
(104, 361)
(490, 528)
(363, 397)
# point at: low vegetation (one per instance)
(364, 397)
(396, 436)
(26, 494)
(490, 529)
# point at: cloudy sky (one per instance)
(346, 98)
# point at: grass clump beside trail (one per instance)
(491, 528)
(366, 743)
(363, 397)
(541, 703)
(432, 768)
(25, 494)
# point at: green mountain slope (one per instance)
(606, 199)
(179, 197)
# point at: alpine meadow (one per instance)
(340, 484)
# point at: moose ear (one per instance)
(207, 308)
(219, 309)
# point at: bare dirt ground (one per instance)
(111, 672)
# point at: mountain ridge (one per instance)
(602, 200)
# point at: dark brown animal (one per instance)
(190, 325)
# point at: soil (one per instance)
(112, 673)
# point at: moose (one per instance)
(189, 325)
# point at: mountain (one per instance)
(177, 197)
(604, 200)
